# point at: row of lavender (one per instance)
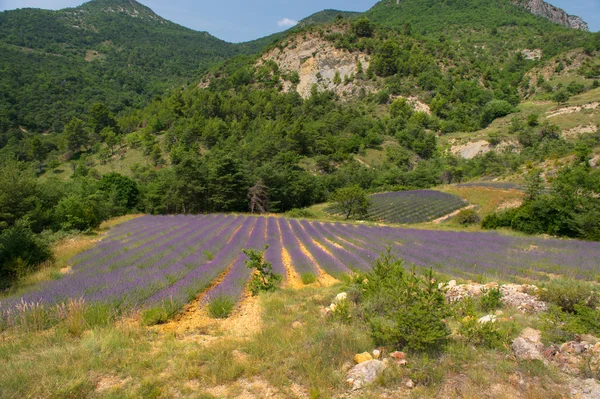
(158, 259)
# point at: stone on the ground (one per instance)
(487, 319)
(364, 373)
(297, 324)
(585, 389)
(376, 354)
(340, 297)
(362, 357)
(513, 295)
(528, 346)
(409, 384)
(399, 357)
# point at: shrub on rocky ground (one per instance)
(402, 308)
(567, 293)
(491, 299)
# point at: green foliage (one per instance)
(570, 210)
(124, 190)
(495, 109)
(561, 96)
(19, 192)
(52, 65)
(488, 334)
(159, 314)
(568, 293)
(467, 217)
(221, 307)
(559, 326)
(402, 308)
(491, 300)
(21, 252)
(362, 27)
(263, 277)
(77, 213)
(308, 278)
(351, 201)
(301, 214)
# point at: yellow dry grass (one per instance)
(488, 199)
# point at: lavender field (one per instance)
(409, 207)
(157, 259)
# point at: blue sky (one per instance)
(242, 20)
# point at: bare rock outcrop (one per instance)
(552, 13)
(528, 346)
(319, 63)
(513, 295)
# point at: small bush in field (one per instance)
(342, 311)
(308, 278)
(491, 299)
(221, 307)
(263, 279)
(567, 293)
(401, 308)
(467, 217)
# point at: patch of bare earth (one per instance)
(510, 204)
(572, 110)
(292, 279)
(579, 130)
(197, 325)
(108, 382)
(256, 388)
(451, 215)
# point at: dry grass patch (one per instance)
(486, 198)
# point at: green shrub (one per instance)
(401, 308)
(308, 278)
(467, 217)
(491, 300)
(495, 109)
(77, 213)
(559, 326)
(567, 293)
(263, 278)
(159, 314)
(303, 213)
(342, 311)
(221, 307)
(21, 251)
(488, 334)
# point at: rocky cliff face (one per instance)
(317, 62)
(554, 14)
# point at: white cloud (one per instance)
(286, 23)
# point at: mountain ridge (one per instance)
(553, 13)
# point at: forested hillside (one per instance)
(56, 63)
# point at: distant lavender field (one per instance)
(153, 259)
(407, 207)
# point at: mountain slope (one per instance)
(56, 63)
(440, 16)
